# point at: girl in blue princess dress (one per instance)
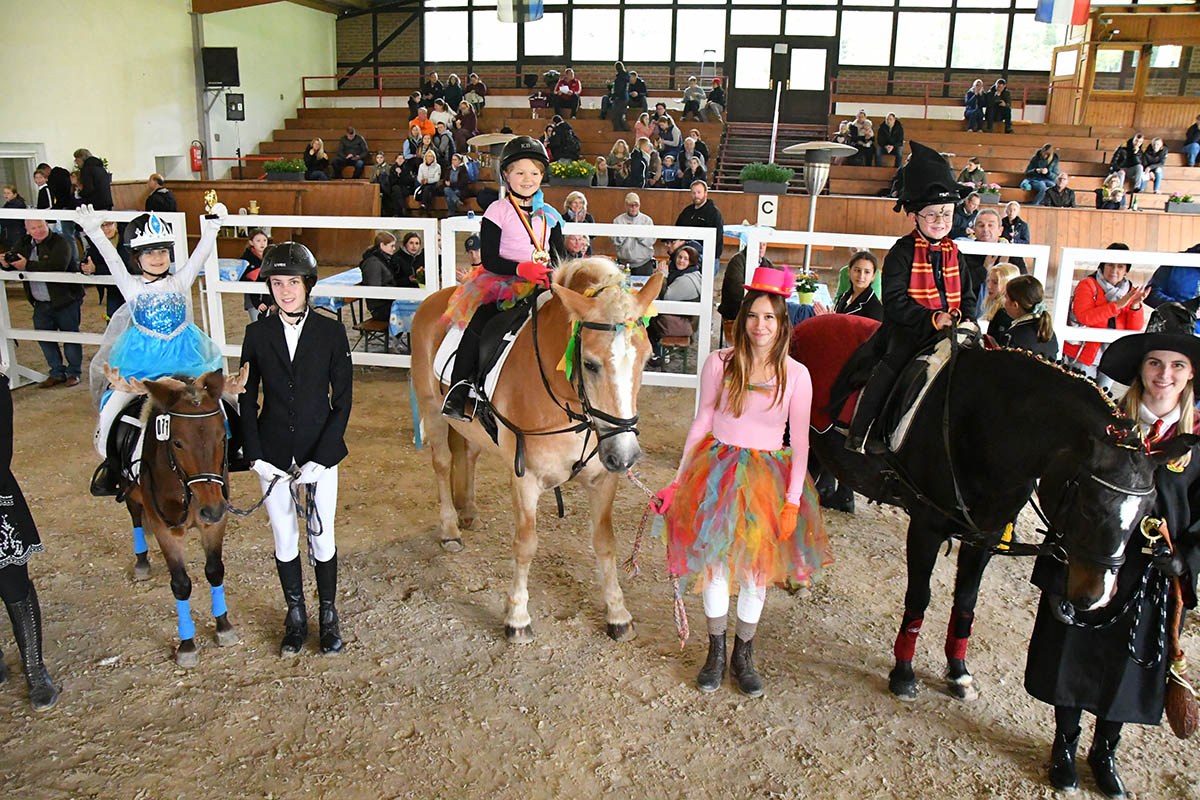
(156, 339)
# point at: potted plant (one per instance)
(284, 169)
(572, 173)
(1182, 204)
(758, 178)
(989, 193)
(806, 286)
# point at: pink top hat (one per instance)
(773, 280)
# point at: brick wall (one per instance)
(862, 81)
(907, 90)
(353, 38)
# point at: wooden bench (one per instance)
(677, 344)
(371, 330)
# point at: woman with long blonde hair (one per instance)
(992, 298)
(316, 163)
(742, 508)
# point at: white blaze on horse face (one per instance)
(624, 359)
(1128, 510)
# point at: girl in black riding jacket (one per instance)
(1112, 662)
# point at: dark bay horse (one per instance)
(1014, 422)
(183, 484)
(593, 312)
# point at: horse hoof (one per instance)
(186, 655)
(962, 688)
(453, 544)
(141, 570)
(227, 637)
(522, 635)
(902, 686)
(621, 631)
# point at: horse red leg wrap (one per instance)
(958, 634)
(906, 639)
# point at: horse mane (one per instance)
(192, 393)
(591, 276)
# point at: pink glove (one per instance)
(787, 521)
(665, 497)
(535, 272)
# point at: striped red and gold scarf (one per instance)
(921, 285)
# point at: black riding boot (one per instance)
(26, 616)
(870, 405)
(741, 666)
(1102, 759)
(331, 634)
(295, 624)
(455, 404)
(1063, 776)
(713, 672)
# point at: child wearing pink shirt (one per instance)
(741, 504)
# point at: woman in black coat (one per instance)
(860, 300)
(889, 139)
(18, 542)
(377, 271)
(1110, 662)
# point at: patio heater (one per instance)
(816, 174)
(493, 144)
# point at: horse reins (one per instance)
(186, 480)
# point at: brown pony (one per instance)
(183, 483)
(592, 307)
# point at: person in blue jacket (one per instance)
(1175, 284)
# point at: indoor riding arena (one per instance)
(272, 186)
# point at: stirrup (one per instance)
(103, 484)
(454, 405)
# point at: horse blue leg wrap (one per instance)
(218, 601)
(139, 540)
(186, 629)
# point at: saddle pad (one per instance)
(443, 360)
(824, 344)
(914, 385)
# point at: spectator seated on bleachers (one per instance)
(669, 138)
(456, 185)
(476, 92)
(1104, 299)
(564, 144)
(443, 146)
(640, 173)
(461, 135)
(412, 145)
(660, 110)
(401, 181)
(694, 170)
(619, 161)
(1060, 195)
(1191, 143)
(575, 208)
(637, 91)
(423, 122)
(974, 106)
(414, 102)
(376, 271)
(379, 176)
(973, 173)
(843, 136)
(670, 173)
(998, 106)
(352, 152)
(1154, 159)
(1127, 159)
(889, 140)
(567, 93)
(697, 144)
(316, 163)
(468, 120)
(1041, 173)
(441, 113)
(964, 217)
(432, 89)
(454, 92)
(1012, 227)
(862, 135)
(644, 127)
(693, 100)
(429, 181)
(714, 111)
(602, 176)
(1112, 200)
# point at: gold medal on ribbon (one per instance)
(540, 253)
(540, 256)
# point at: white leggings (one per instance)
(285, 525)
(751, 598)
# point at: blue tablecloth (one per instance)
(232, 269)
(400, 320)
(350, 277)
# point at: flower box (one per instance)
(285, 176)
(1183, 208)
(571, 181)
(990, 199)
(764, 187)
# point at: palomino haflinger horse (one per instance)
(182, 483)
(1015, 422)
(597, 324)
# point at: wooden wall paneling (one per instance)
(1110, 111)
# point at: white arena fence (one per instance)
(1076, 263)
(20, 374)
(702, 308)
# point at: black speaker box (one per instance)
(220, 66)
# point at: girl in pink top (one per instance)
(740, 503)
(521, 240)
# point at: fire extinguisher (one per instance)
(197, 153)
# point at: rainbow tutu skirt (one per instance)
(482, 287)
(727, 511)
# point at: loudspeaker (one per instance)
(235, 107)
(220, 66)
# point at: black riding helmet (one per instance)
(289, 258)
(520, 147)
(149, 232)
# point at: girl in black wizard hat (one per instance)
(923, 288)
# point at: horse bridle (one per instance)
(585, 420)
(186, 479)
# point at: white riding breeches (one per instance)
(108, 416)
(751, 598)
(285, 525)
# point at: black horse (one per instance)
(1015, 422)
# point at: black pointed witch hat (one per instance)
(928, 180)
